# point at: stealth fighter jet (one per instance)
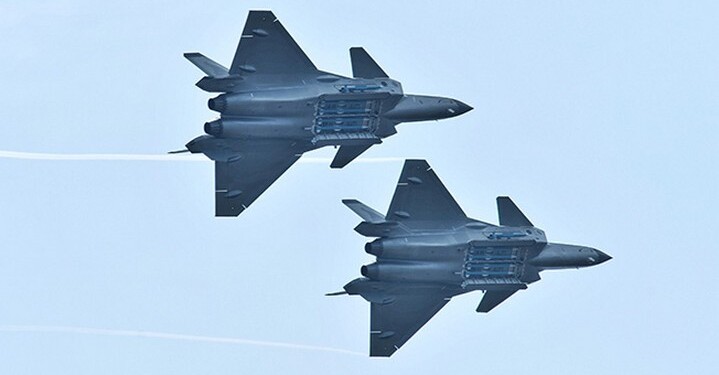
(275, 105)
(429, 251)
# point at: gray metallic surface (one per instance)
(429, 251)
(275, 105)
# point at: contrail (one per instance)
(47, 156)
(170, 336)
(159, 157)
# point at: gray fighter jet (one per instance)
(276, 105)
(429, 251)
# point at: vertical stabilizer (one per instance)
(492, 298)
(365, 212)
(510, 215)
(363, 66)
(347, 153)
(207, 65)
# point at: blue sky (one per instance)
(599, 118)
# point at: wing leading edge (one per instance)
(244, 169)
(422, 201)
(247, 174)
(395, 319)
(267, 48)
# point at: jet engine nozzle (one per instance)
(214, 128)
(375, 248)
(218, 103)
(370, 271)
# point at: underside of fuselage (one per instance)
(429, 251)
(274, 105)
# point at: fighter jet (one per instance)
(276, 105)
(429, 251)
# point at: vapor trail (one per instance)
(158, 157)
(47, 156)
(169, 336)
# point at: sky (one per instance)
(599, 119)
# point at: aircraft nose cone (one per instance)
(463, 107)
(602, 257)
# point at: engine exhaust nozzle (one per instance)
(218, 103)
(214, 128)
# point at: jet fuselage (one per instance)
(325, 104)
(275, 105)
(427, 251)
(471, 257)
